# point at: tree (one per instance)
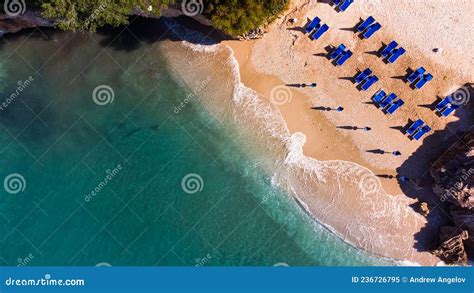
(88, 15)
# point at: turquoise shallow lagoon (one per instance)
(118, 178)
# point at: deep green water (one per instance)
(64, 146)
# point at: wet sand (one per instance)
(286, 56)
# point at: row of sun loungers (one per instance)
(392, 53)
(342, 5)
(363, 75)
(312, 25)
(419, 78)
(369, 82)
(447, 106)
(366, 79)
(318, 28)
(388, 103)
(368, 27)
(320, 31)
(340, 55)
(417, 129)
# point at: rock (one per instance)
(425, 210)
(451, 249)
(453, 175)
(29, 19)
(254, 34)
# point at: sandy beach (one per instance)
(381, 220)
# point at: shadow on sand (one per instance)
(417, 168)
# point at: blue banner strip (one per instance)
(237, 279)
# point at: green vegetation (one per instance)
(91, 14)
(234, 17)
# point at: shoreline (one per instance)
(325, 144)
(344, 189)
(317, 150)
(329, 144)
(341, 194)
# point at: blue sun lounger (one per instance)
(379, 96)
(371, 30)
(369, 82)
(396, 54)
(416, 74)
(419, 134)
(343, 57)
(394, 107)
(313, 24)
(441, 105)
(388, 100)
(421, 83)
(414, 126)
(336, 2)
(320, 31)
(346, 4)
(363, 75)
(338, 51)
(389, 48)
(363, 26)
(449, 110)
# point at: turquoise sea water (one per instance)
(122, 179)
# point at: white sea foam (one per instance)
(378, 210)
(202, 48)
(406, 263)
(331, 185)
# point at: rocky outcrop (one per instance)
(453, 175)
(257, 33)
(451, 249)
(454, 172)
(29, 19)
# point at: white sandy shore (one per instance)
(372, 219)
(328, 168)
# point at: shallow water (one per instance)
(124, 180)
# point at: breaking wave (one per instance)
(346, 198)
